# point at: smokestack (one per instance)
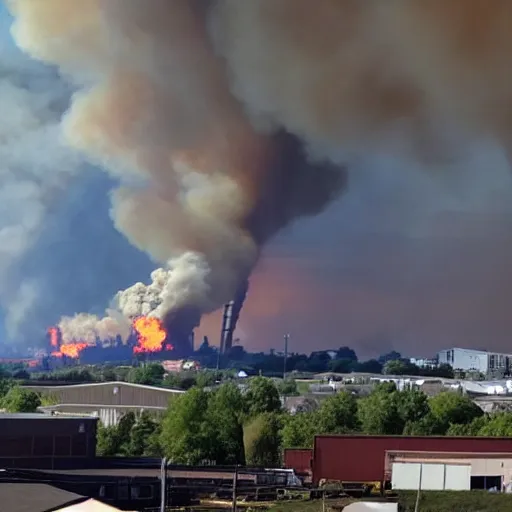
(226, 337)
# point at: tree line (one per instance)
(230, 424)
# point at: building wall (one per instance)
(363, 458)
(110, 393)
(32, 439)
(465, 359)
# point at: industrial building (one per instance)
(437, 462)
(40, 440)
(108, 401)
(475, 360)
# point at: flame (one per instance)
(54, 336)
(71, 350)
(150, 334)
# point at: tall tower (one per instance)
(226, 335)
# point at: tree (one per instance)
(371, 366)
(341, 365)
(475, 428)
(184, 438)
(299, 430)
(338, 414)
(318, 362)
(429, 425)
(346, 353)
(206, 378)
(400, 367)
(262, 396)
(115, 439)
(287, 387)
(449, 407)
(390, 356)
(21, 400)
(107, 441)
(262, 441)
(498, 425)
(379, 412)
(412, 405)
(224, 422)
(150, 374)
(141, 435)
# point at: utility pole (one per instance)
(163, 485)
(235, 482)
(286, 339)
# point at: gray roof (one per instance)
(29, 497)
(39, 416)
(107, 383)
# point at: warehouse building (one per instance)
(108, 401)
(44, 441)
(475, 360)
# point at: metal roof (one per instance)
(108, 383)
(39, 416)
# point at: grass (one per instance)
(430, 501)
(456, 501)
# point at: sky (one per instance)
(405, 260)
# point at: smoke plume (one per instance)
(226, 120)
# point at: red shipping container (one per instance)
(363, 458)
(298, 459)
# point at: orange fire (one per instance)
(71, 350)
(54, 336)
(150, 334)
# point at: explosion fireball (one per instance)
(150, 335)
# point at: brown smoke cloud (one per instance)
(204, 110)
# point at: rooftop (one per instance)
(29, 497)
(39, 416)
(108, 383)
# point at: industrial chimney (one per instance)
(226, 335)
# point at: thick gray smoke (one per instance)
(227, 120)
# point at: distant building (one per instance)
(108, 401)
(475, 360)
(424, 363)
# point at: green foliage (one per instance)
(225, 417)
(150, 374)
(262, 396)
(186, 436)
(474, 428)
(499, 425)
(338, 414)
(133, 436)
(299, 430)
(142, 438)
(287, 387)
(454, 408)
(21, 400)
(262, 440)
